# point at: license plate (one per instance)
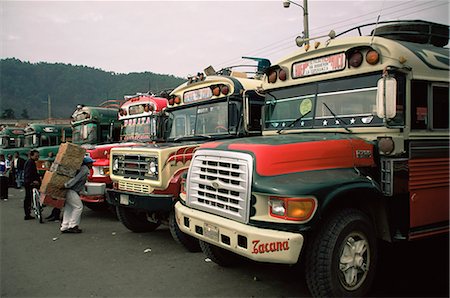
(124, 200)
(211, 232)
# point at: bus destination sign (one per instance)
(318, 66)
(197, 95)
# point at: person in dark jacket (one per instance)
(31, 180)
(74, 206)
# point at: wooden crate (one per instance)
(67, 162)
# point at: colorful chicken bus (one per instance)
(355, 148)
(46, 139)
(12, 139)
(147, 178)
(141, 117)
(95, 125)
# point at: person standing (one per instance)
(18, 164)
(74, 206)
(31, 180)
(9, 164)
(3, 179)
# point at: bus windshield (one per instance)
(202, 120)
(142, 128)
(31, 140)
(351, 100)
(85, 134)
(41, 140)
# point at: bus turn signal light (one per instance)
(297, 209)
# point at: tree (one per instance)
(8, 114)
(24, 114)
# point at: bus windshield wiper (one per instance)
(338, 119)
(194, 137)
(293, 122)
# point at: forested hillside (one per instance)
(25, 87)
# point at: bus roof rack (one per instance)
(417, 31)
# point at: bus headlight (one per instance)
(297, 209)
(152, 169)
(104, 171)
(115, 164)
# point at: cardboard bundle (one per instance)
(67, 162)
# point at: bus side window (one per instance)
(440, 107)
(419, 105)
(45, 141)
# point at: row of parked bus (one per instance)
(312, 160)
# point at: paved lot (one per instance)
(107, 260)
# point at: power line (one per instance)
(290, 38)
(393, 17)
(280, 45)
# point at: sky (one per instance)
(182, 38)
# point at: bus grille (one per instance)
(134, 187)
(135, 166)
(219, 183)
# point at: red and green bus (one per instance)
(355, 149)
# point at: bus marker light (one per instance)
(372, 57)
(225, 90)
(177, 100)
(355, 59)
(216, 91)
(282, 75)
(272, 77)
(171, 101)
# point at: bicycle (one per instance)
(36, 205)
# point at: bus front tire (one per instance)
(218, 255)
(135, 221)
(190, 243)
(341, 259)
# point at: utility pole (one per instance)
(49, 107)
(304, 7)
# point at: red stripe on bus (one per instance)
(274, 160)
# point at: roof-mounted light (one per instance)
(224, 89)
(215, 90)
(282, 75)
(372, 57)
(355, 59)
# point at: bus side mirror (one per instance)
(252, 113)
(386, 97)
